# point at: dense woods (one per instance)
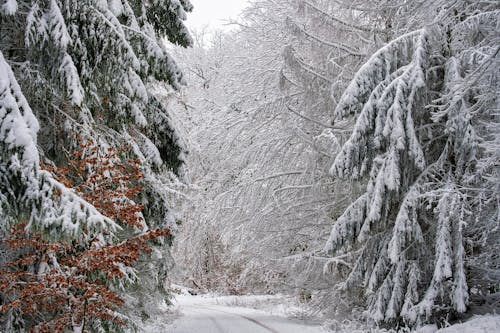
(345, 152)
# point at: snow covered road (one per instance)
(200, 315)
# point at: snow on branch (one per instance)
(384, 93)
(382, 64)
(9, 7)
(19, 126)
(49, 202)
(416, 201)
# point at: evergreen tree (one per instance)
(426, 144)
(84, 70)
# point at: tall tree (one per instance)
(425, 142)
(258, 102)
(87, 67)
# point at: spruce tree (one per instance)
(425, 143)
(84, 70)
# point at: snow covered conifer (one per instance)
(424, 142)
(88, 67)
(26, 191)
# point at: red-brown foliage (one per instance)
(60, 285)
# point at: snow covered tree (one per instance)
(88, 67)
(256, 105)
(28, 192)
(72, 285)
(425, 142)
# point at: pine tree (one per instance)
(88, 67)
(425, 142)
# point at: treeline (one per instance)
(347, 151)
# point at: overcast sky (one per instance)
(213, 13)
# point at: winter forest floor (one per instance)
(207, 314)
(277, 314)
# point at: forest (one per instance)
(339, 156)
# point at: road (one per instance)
(202, 316)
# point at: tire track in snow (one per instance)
(216, 324)
(212, 319)
(255, 321)
(259, 323)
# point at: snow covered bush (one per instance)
(426, 142)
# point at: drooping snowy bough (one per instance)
(76, 71)
(424, 234)
(24, 186)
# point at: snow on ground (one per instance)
(277, 305)
(274, 314)
(478, 324)
(206, 314)
(159, 320)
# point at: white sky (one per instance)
(213, 13)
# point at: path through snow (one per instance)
(202, 315)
